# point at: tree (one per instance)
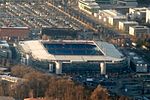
(21, 70)
(38, 83)
(62, 89)
(19, 90)
(100, 93)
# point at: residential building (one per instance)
(124, 25)
(138, 31)
(111, 17)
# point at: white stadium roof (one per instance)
(37, 50)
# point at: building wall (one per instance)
(148, 16)
(126, 27)
(110, 21)
(116, 21)
(81, 67)
(121, 26)
(131, 31)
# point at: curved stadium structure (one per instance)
(72, 56)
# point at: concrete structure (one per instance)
(124, 25)
(137, 13)
(14, 33)
(88, 6)
(131, 3)
(5, 51)
(62, 56)
(148, 16)
(139, 31)
(111, 17)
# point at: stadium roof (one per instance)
(37, 50)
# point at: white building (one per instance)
(138, 31)
(88, 6)
(148, 16)
(124, 25)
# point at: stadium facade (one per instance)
(72, 56)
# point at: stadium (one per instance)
(72, 56)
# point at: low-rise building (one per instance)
(88, 6)
(14, 33)
(124, 25)
(139, 31)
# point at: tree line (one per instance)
(39, 84)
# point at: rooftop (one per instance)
(140, 27)
(112, 13)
